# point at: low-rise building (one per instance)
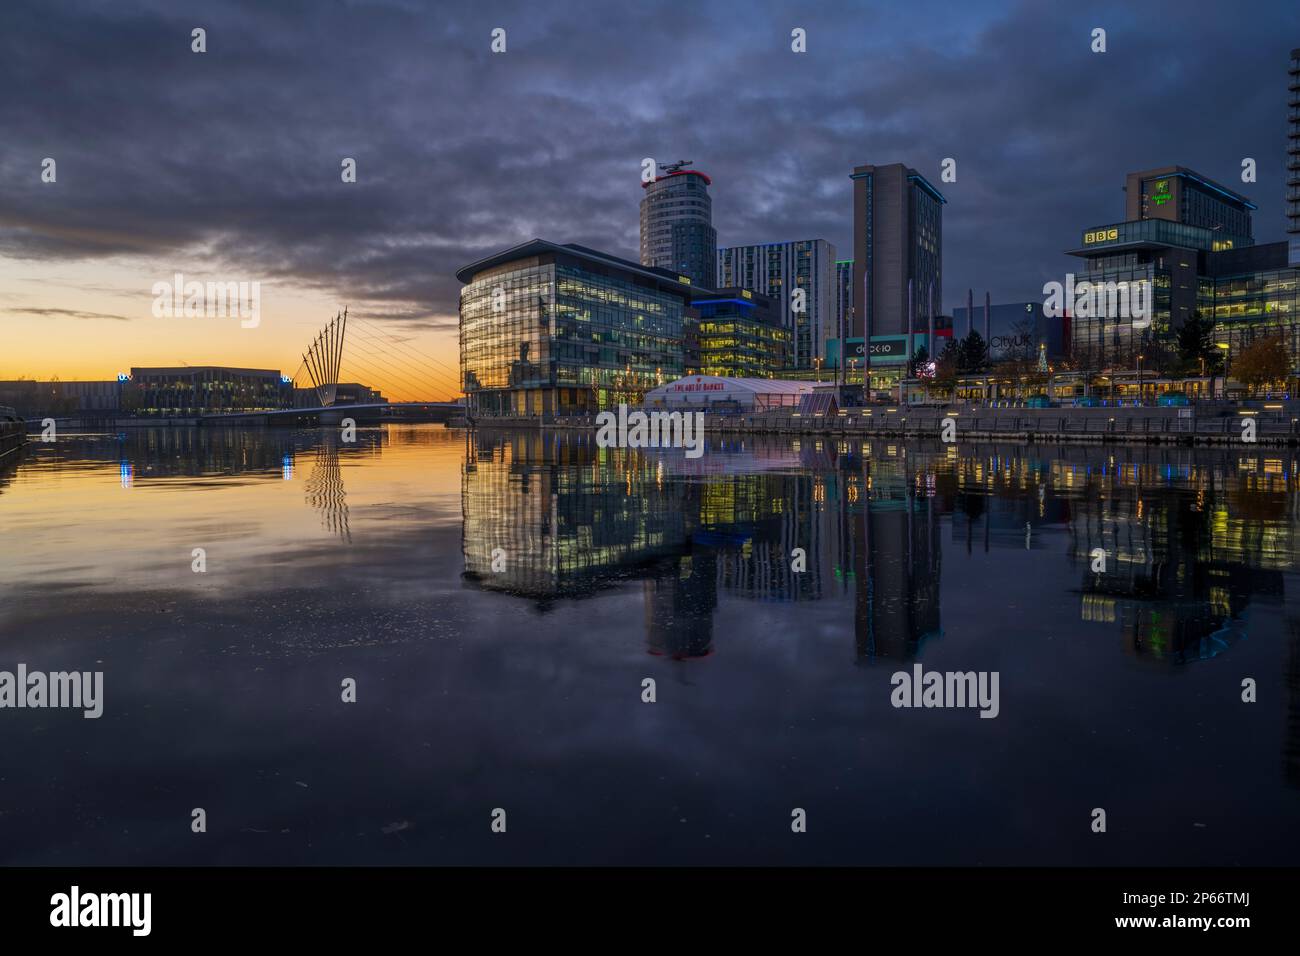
(738, 334)
(33, 399)
(189, 391)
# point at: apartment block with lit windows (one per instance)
(776, 270)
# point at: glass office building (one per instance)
(1192, 240)
(739, 336)
(548, 329)
(1248, 291)
(1253, 293)
(1168, 266)
(190, 391)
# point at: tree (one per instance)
(973, 352)
(1196, 343)
(946, 367)
(1158, 359)
(1263, 362)
(920, 359)
(1034, 378)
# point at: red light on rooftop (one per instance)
(681, 172)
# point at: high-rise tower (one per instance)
(1293, 163)
(677, 224)
(897, 239)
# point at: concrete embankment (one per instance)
(13, 433)
(1268, 423)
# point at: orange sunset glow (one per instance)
(93, 321)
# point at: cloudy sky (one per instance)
(226, 165)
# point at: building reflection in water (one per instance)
(162, 454)
(565, 519)
(1191, 537)
(1197, 542)
(199, 452)
(1187, 548)
(679, 606)
(897, 556)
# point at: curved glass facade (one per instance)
(553, 334)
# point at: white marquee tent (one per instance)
(749, 394)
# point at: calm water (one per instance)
(520, 688)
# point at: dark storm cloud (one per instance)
(236, 153)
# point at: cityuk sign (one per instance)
(1005, 343)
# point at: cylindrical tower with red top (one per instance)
(677, 225)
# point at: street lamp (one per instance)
(1225, 346)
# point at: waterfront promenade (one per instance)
(1210, 423)
(12, 431)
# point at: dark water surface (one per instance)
(521, 688)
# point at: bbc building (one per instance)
(1187, 251)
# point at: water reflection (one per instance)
(8, 467)
(564, 518)
(1189, 538)
(501, 596)
(1192, 539)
